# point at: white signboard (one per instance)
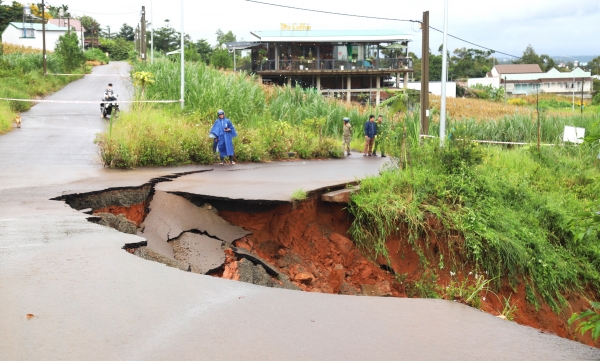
(573, 134)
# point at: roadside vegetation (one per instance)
(21, 76)
(271, 121)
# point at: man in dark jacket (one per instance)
(370, 133)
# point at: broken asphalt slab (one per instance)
(171, 215)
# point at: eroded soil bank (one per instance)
(301, 246)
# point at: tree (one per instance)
(548, 62)
(530, 57)
(55, 11)
(204, 49)
(10, 13)
(470, 63)
(220, 58)
(126, 32)
(92, 27)
(36, 10)
(594, 66)
(166, 38)
(224, 37)
(69, 52)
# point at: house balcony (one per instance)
(383, 66)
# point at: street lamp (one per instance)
(151, 33)
(182, 60)
(444, 78)
(224, 46)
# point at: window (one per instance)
(547, 85)
(28, 33)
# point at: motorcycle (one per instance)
(111, 107)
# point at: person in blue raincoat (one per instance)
(223, 132)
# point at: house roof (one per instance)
(552, 74)
(320, 36)
(38, 26)
(75, 23)
(518, 68)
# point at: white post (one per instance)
(151, 33)
(573, 87)
(234, 59)
(182, 60)
(444, 76)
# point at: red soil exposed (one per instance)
(307, 242)
(135, 213)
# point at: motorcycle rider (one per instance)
(109, 95)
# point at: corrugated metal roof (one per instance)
(332, 36)
(552, 74)
(518, 68)
(38, 26)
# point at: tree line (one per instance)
(465, 63)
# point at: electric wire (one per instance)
(379, 18)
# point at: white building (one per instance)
(435, 87)
(30, 35)
(528, 78)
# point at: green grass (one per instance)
(512, 208)
(152, 136)
(21, 77)
(299, 195)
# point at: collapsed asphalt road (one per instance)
(90, 300)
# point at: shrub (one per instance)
(96, 54)
(118, 49)
(517, 101)
(221, 58)
(69, 52)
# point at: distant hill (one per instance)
(580, 58)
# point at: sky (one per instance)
(553, 27)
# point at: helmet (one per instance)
(346, 119)
(220, 112)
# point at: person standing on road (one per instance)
(223, 132)
(380, 138)
(370, 133)
(347, 136)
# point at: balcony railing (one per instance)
(374, 64)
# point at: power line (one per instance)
(378, 18)
(331, 12)
(477, 45)
(90, 12)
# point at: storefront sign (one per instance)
(294, 26)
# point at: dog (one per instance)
(18, 121)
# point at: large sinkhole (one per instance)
(299, 246)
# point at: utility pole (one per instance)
(108, 27)
(425, 75)
(44, 35)
(69, 25)
(143, 37)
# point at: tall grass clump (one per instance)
(244, 99)
(150, 136)
(6, 117)
(512, 209)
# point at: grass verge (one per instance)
(512, 208)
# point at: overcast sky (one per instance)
(554, 27)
